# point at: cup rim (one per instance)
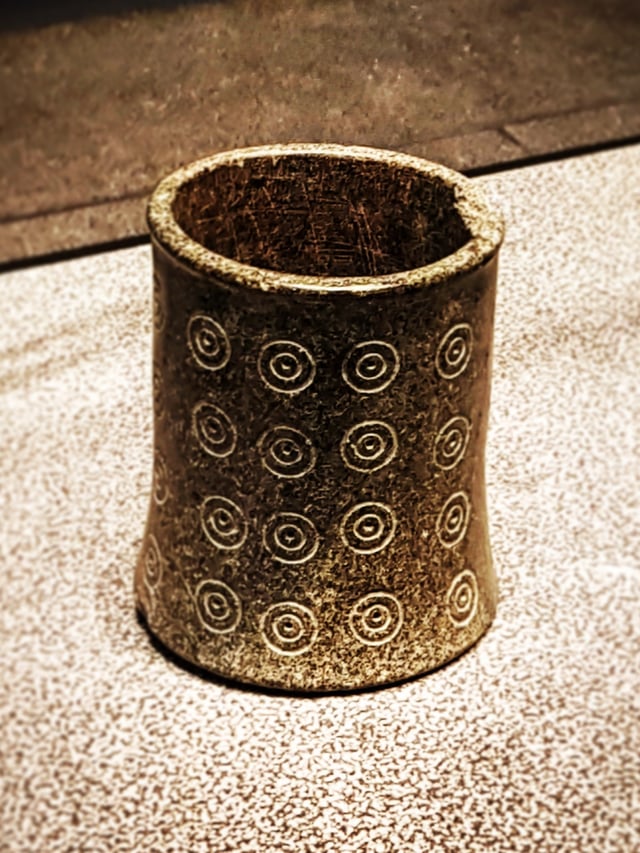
(484, 223)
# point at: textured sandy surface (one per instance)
(529, 742)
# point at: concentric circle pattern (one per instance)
(289, 628)
(218, 607)
(208, 342)
(213, 429)
(160, 489)
(179, 640)
(371, 366)
(153, 562)
(291, 538)
(454, 351)
(368, 527)
(451, 443)
(453, 519)
(286, 367)
(369, 445)
(376, 618)
(462, 598)
(223, 522)
(286, 452)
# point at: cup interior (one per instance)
(314, 215)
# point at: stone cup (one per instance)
(323, 320)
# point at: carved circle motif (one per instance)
(286, 367)
(462, 598)
(289, 628)
(218, 607)
(286, 452)
(371, 366)
(376, 618)
(451, 443)
(453, 519)
(160, 480)
(369, 445)
(291, 538)
(454, 351)
(368, 527)
(208, 342)
(213, 429)
(153, 562)
(223, 522)
(180, 641)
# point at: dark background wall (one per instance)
(98, 101)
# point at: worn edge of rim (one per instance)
(485, 224)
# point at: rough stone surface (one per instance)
(95, 111)
(530, 741)
(318, 518)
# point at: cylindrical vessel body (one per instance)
(322, 342)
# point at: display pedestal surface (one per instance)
(530, 741)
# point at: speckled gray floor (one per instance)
(529, 742)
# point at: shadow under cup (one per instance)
(323, 319)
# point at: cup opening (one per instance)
(313, 215)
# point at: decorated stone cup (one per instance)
(323, 322)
